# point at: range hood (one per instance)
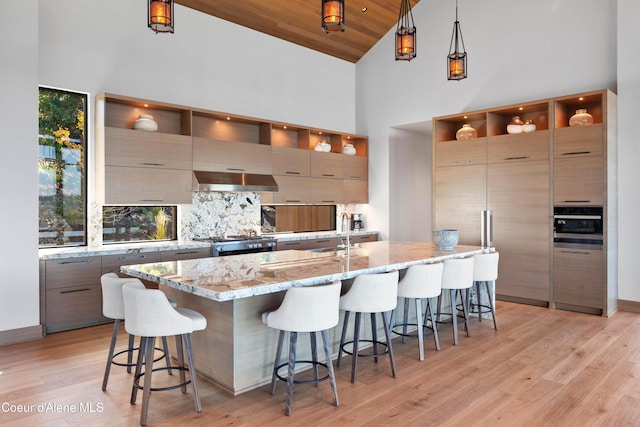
(227, 181)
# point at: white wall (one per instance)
(410, 179)
(628, 149)
(19, 172)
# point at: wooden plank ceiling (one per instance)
(298, 21)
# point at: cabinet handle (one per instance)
(292, 173)
(460, 162)
(186, 253)
(293, 201)
(328, 201)
(355, 177)
(152, 200)
(577, 201)
(322, 241)
(576, 252)
(292, 243)
(328, 174)
(574, 153)
(81, 261)
(150, 164)
(236, 169)
(75, 290)
(516, 158)
(125, 257)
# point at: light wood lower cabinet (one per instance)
(518, 195)
(578, 278)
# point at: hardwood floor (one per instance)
(542, 368)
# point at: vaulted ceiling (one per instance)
(298, 21)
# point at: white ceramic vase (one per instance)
(145, 122)
(466, 132)
(349, 149)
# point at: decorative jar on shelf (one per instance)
(581, 118)
(318, 147)
(466, 132)
(529, 126)
(349, 149)
(515, 125)
(145, 122)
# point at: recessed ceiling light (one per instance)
(364, 9)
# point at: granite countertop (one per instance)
(141, 247)
(119, 248)
(241, 276)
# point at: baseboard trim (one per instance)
(632, 306)
(14, 336)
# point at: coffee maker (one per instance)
(357, 224)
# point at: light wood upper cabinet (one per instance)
(355, 191)
(147, 186)
(355, 167)
(518, 147)
(235, 157)
(290, 161)
(578, 181)
(580, 141)
(461, 153)
(326, 165)
(291, 190)
(326, 191)
(136, 148)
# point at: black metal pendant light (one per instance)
(332, 16)
(405, 33)
(457, 59)
(160, 16)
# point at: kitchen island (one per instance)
(236, 350)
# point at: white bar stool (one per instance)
(457, 278)
(369, 293)
(305, 309)
(485, 271)
(420, 282)
(149, 314)
(113, 308)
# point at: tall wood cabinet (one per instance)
(520, 177)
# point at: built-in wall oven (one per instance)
(577, 225)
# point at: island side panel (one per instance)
(213, 347)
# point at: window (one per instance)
(62, 160)
(122, 224)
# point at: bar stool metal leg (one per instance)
(314, 357)
(274, 377)
(356, 344)
(192, 373)
(387, 333)
(293, 337)
(343, 337)
(420, 326)
(332, 378)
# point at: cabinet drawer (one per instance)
(579, 141)
(517, 147)
(73, 307)
(128, 147)
(326, 165)
(127, 185)
(290, 161)
(578, 277)
(235, 157)
(461, 153)
(295, 244)
(365, 238)
(578, 181)
(112, 263)
(178, 255)
(67, 272)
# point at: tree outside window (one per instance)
(62, 168)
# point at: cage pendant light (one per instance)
(457, 59)
(405, 33)
(160, 16)
(332, 16)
